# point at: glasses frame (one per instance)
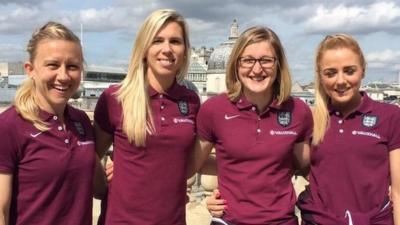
(240, 62)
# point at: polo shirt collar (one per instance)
(243, 103)
(173, 92)
(46, 116)
(366, 103)
(364, 107)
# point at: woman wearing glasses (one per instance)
(259, 132)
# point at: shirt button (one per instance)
(60, 128)
(66, 141)
(162, 106)
(337, 113)
(162, 118)
(161, 96)
(340, 121)
(258, 130)
(55, 117)
(253, 108)
(341, 131)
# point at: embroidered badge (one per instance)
(369, 121)
(284, 118)
(183, 107)
(79, 128)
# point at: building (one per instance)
(11, 68)
(303, 94)
(380, 91)
(197, 74)
(218, 62)
(201, 55)
(98, 78)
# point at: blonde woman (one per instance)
(259, 131)
(47, 152)
(150, 120)
(356, 144)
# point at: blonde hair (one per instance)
(282, 85)
(320, 111)
(25, 101)
(137, 121)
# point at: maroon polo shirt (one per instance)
(52, 170)
(149, 183)
(350, 168)
(255, 156)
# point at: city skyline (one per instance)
(109, 27)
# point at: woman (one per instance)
(356, 144)
(150, 119)
(258, 130)
(47, 155)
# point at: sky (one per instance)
(109, 27)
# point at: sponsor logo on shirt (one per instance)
(79, 128)
(183, 107)
(283, 132)
(231, 117)
(183, 120)
(369, 121)
(366, 133)
(81, 143)
(284, 118)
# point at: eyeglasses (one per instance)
(265, 62)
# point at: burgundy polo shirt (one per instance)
(255, 156)
(52, 170)
(350, 173)
(149, 183)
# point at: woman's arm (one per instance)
(302, 155)
(5, 197)
(199, 155)
(394, 157)
(99, 181)
(103, 140)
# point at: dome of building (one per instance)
(220, 56)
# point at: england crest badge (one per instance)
(79, 128)
(284, 118)
(183, 107)
(369, 120)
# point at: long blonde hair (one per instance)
(320, 111)
(25, 101)
(282, 85)
(137, 120)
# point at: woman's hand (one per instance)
(109, 170)
(215, 205)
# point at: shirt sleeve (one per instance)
(205, 122)
(307, 122)
(394, 133)
(9, 148)
(101, 112)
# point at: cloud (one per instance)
(379, 16)
(12, 52)
(20, 20)
(23, 2)
(102, 20)
(387, 59)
